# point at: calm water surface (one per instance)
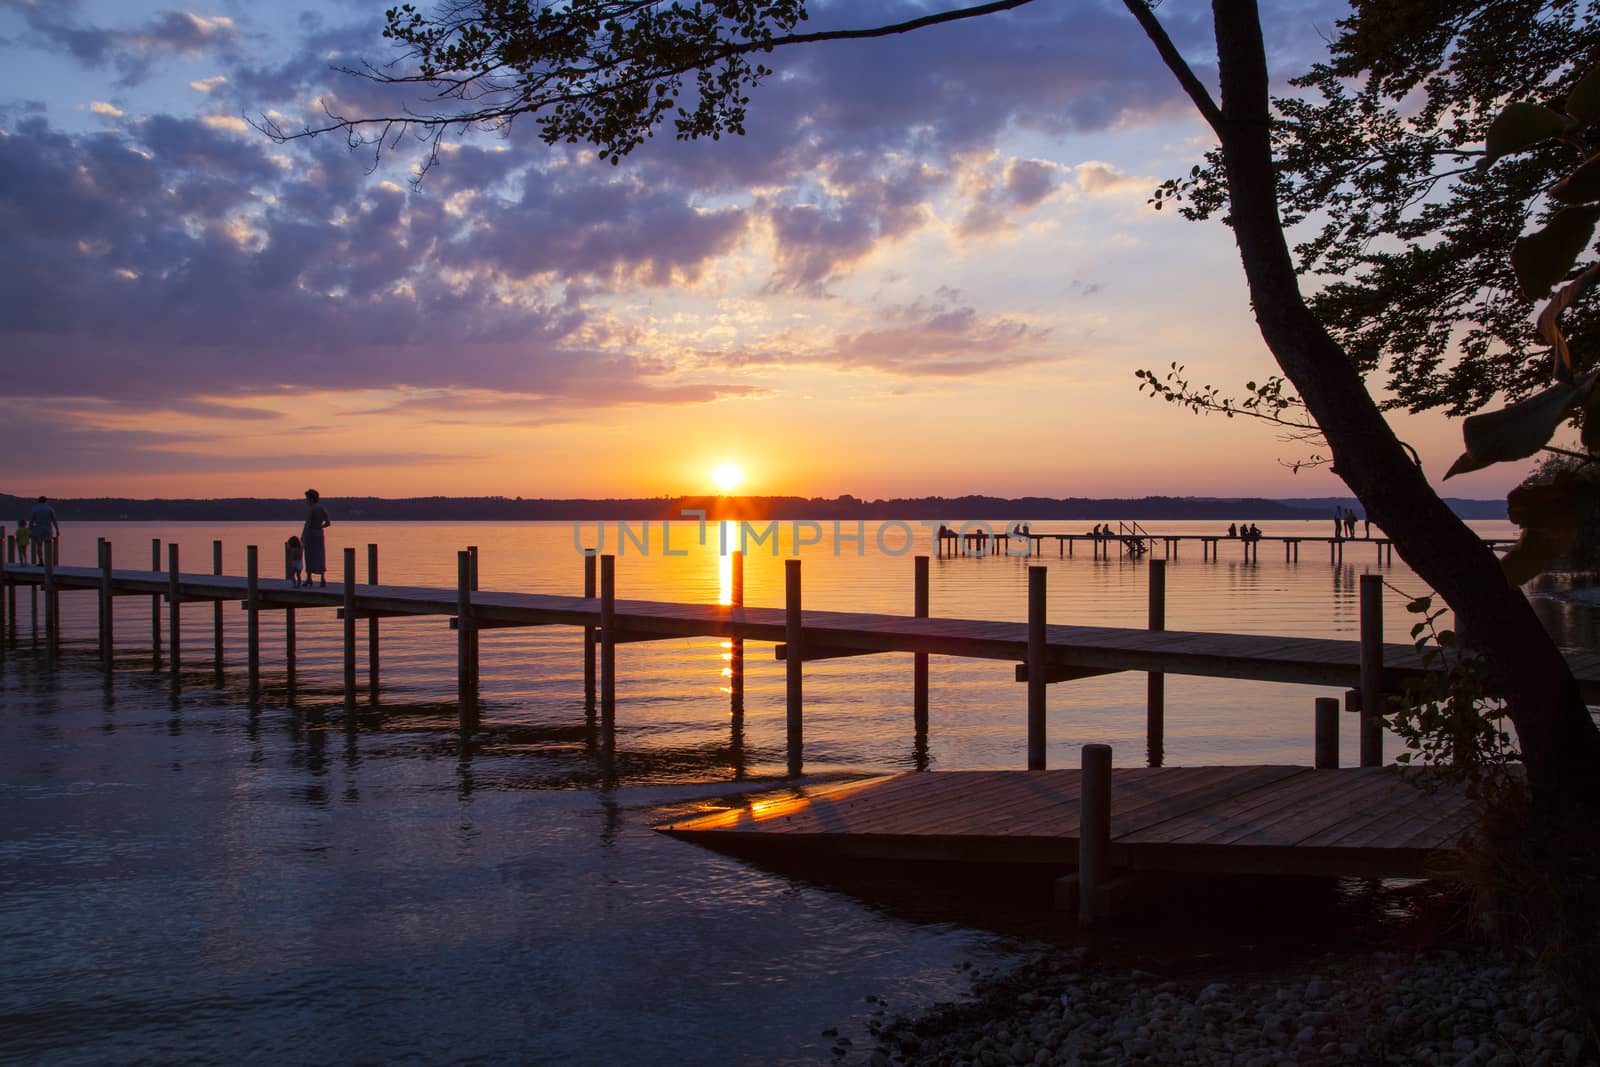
(183, 879)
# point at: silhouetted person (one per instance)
(1233, 531)
(311, 540)
(43, 527)
(297, 560)
(1338, 524)
(1366, 524)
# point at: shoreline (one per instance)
(1068, 1006)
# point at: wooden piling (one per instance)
(288, 625)
(589, 634)
(52, 615)
(1371, 670)
(794, 637)
(1094, 831)
(472, 642)
(9, 637)
(608, 646)
(216, 610)
(155, 607)
(919, 663)
(252, 623)
(107, 628)
(174, 615)
(8, 603)
(1036, 668)
(349, 630)
(736, 644)
(466, 679)
(1326, 734)
(372, 628)
(1155, 718)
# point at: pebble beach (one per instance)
(1436, 1006)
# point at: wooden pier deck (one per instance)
(827, 634)
(1249, 820)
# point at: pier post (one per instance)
(52, 608)
(589, 632)
(466, 679)
(174, 615)
(288, 625)
(216, 611)
(7, 603)
(1094, 831)
(10, 635)
(473, 644)
(736, 645)
(372, 628)
(919, 661)
(107, 628)
(1036, 668)
(794, 637)
(155, 607)
(1155, 718)
(350, 630)
(1326, 734)
(608, 647)
(1371, 670)
(252, 624)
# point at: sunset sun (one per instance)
(727, 477)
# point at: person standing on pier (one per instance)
(45, 529)
(24, 539)
(311, 540)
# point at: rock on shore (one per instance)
(1434, 1007)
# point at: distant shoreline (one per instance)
(517, 509)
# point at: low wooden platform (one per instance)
(1247, 820)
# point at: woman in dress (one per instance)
(316, 552)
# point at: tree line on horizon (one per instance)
(518, 509)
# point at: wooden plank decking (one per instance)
(1249, 820)
(1312, 661)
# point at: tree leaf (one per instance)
(1519, 126)
(1579, 187)
(1550, 329)
(1519, 430)
(1583, 102)
(1542, 259)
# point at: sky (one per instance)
(929, 268)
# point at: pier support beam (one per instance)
(1155, 716)
(466, 668)
(1094, 832)
(608, 648)
(252, 625)
(288, 626)
(107, 653)
(216, 612)
(372, 629)
(919, 661)
(155, 607)
(736, 644)
(350, 630)
(1372, 697)
(794, 665)
(9, 637)
(1037, 671)
(174, 616)
(589, 633)
(1326, 734)
(52, 609)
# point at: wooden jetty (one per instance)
(1367, 671)
(1133, 540)
(1103, 825)
(1093, 820)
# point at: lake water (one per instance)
(185, 879)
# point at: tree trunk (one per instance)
(1558, 738)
